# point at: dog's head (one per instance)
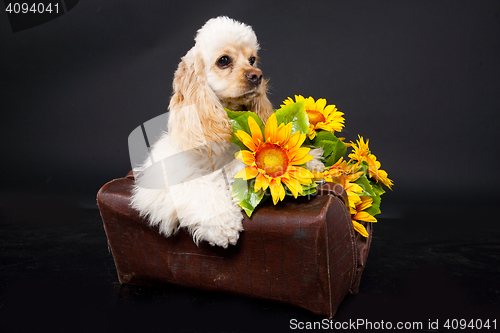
(229, 52)
(219, 71)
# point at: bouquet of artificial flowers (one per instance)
(276, 154)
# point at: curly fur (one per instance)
(185, 182)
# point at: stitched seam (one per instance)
(328, 270)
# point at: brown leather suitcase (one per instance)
(302, 251)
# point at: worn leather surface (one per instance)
(303, 252)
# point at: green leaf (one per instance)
(239, 120)
(333, 147)
(363, 168)
(296, 114)
(377, 188)
(365, 184)
(324, 135)
(328, 147)
(308, 189)
(371, 189)
(375, 208)
(245, 196)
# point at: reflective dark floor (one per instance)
(430, 264)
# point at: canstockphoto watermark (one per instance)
(357, 324)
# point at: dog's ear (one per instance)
(197, 117)
(261, 104)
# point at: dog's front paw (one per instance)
(316, 164)
(217, 236)
(205, 207)
(220, 230)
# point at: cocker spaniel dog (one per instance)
(186, 179)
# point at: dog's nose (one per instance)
(254, 76)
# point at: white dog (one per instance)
(185, 182)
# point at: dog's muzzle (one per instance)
(254, 77)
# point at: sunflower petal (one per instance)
(302, 138)
(319, 175)
(303, 175)
(300, 156)
(360, 228)
(288, 131)
(247, 173)
(293, 185)
(353, 198)
(364, 216)
(312, 133)
(335, 116)
(246, 157)
(271, 129)
(294, 140)
(365, 203)
(328, 110)
(320, 104)
(387, 182)
(352, 176)
(255, 130)
(261, 182)
(310, 104)
(287, 101)
(277, 190)
(281, 135)
(353, 187)
(282, 192)
(246, 139)
(299, 98)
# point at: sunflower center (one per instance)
(272, 159)
(315, 117)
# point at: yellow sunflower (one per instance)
(376, 173)
(273, 159)
(358, 214)
(321, 116)
(360, 150)
(361, 153)
(345, 175)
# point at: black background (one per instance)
(420, 79)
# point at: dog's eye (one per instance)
(252, 60)
(224, 62)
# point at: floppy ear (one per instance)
(197, 117)
(261, 104)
